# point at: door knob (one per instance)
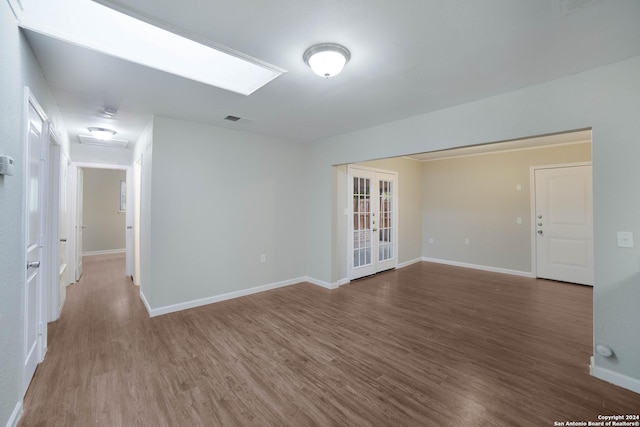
(63, 240)
(129, 227)
(540, 232)
(33, 264)
(375, 229)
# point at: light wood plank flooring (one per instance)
(427, 345)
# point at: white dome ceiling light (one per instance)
(101, 133)
(327, 59)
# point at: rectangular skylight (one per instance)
(97, 27)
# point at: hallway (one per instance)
(424, 345)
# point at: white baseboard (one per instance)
(408, 263)
(217, 298)
(480, 267)
(614, 378)
(15, 416)
(146, 303)
(341, 282)
(106, 252)
(324, 284)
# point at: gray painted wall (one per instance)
(214, 213)
(475, 197)
(18, 68)
(100, 213)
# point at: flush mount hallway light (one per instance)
(101, 133)
(327, 59)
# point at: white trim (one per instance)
(146, 303)
(105, 252)
(481, 267)
(15, 415)
(615, 378)
(408, 263)
(17, 9)
(218, 298)
(324, 284)
(343, 282)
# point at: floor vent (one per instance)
(232, 118)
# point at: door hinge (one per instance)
(40, 328)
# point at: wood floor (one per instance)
(427, 345)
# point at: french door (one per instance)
(373, 222)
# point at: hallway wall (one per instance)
(19, 68)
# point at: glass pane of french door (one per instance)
(385, 229)
(362, 245)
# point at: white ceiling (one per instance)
(408, 57)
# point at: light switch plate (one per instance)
(625, 239)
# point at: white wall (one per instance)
(83, 153)
(475, 198)
(219, 199)
(101, 210)
(605, 98)
(19, 68)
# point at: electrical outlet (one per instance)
(431, 240)
(518, 220)
(263, 258)
(466, 241)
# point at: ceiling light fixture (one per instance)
(109, 112)
(101, 133)
(327, 59)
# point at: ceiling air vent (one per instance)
(89, 140)
(232, 118)
(565, 7)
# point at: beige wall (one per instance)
(101, 204)
(476, 198)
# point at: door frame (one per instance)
(349, 212)
(73, 207)
(532, 205)
(52, 220)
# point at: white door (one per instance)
(564, 224)
(129, 214)
(373, 223)
(33, 302)
(79, 227)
